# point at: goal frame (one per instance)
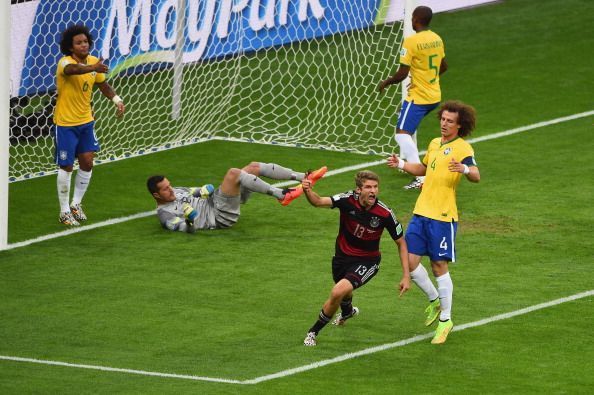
(4, 116)
(5, 85)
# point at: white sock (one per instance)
(446, 290)
(277, 172)
(421, 278)
(81, 183)
(256, 184)
(63, 185)
(408, 148)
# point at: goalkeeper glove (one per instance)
(206, 190)
(190, 213)
(203, 192)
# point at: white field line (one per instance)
(78, 229)
(282, 184)
(315, 365)
(118, 370)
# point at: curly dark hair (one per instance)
(68, 35)
(466, 115)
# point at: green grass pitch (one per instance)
(235, 304)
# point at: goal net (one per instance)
(291, 72)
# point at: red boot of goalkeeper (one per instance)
(293, 193)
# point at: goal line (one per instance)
(114, 221)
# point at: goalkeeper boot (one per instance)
(77, 212)
(291, 194)
(340, 319)
(432, 312)
(417, 183)
(315, 175)
(310, 339)
(68, 219)
(443, 330)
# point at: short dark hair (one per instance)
(466, 115)
(152, 182)
(364, 175)
(423, 14)
(68, 35)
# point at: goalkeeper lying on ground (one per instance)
(190, 209)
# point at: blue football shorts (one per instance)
(73, 140)
(412, 114)
(435, 239)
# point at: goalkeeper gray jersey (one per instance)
(171, 215)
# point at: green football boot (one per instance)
(443, 330)
(432, 312)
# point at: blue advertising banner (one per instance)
(129, 33)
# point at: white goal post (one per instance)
(4, 116)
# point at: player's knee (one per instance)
(252, 168)
(85, 161)
(233, 174)
(439, 268)
(340, 290)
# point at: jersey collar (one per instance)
(451, 141)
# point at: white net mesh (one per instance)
(291, 72)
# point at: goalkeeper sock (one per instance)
(255, 184)
(244, 194)
(446, 291)
(63, 184)
(421, 278)
(277, 172)
(81, 183)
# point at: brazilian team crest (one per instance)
(63, 155)
(447, 151)
(374, 223)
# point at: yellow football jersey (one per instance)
(438, 195)
(73, 106)
(423, 53)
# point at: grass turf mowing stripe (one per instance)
(492, 136)
(315, 365)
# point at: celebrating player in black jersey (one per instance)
(357, 257)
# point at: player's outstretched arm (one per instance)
(312, 197)
(416, 169)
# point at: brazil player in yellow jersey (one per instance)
(432, 229)
(76, 74)
(423, 57)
